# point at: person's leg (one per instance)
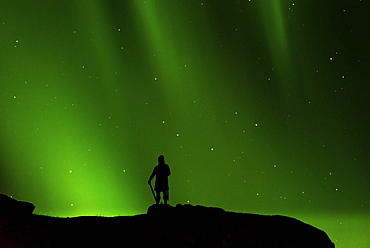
(165, 196)
(157, 197)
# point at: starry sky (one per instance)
(258, 106)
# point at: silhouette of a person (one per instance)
(161, 172)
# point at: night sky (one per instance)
(259, 106)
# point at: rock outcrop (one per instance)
(12, 207)
(163, 226)
(199, 226)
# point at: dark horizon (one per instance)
(162, 226)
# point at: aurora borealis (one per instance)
(258, 107)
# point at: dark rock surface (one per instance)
(163, 226)
(10, 206)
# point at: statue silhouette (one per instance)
(161, 172)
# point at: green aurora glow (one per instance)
(258, 106)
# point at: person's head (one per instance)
(161, 159)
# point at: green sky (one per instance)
(258, 107)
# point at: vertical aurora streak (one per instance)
(274, 26)
(258, 106)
